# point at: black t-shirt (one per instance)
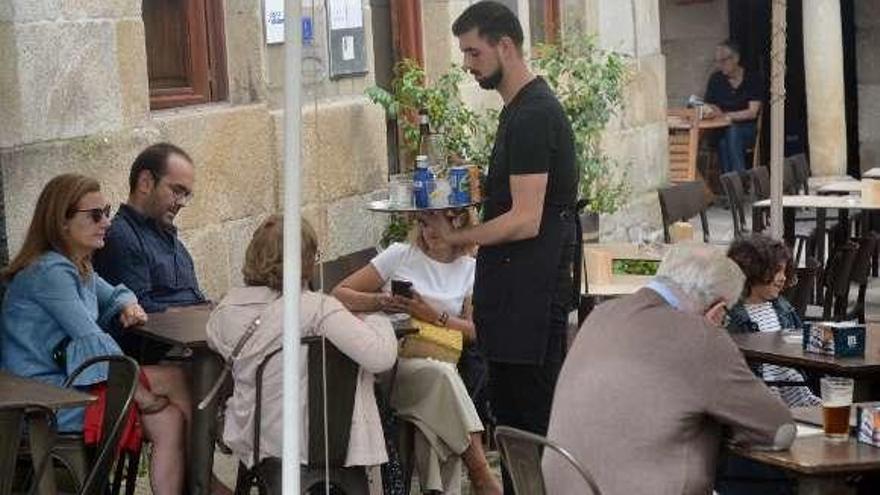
(522, 289)
(729, 99)
(534, 136)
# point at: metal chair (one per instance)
(732, 185)
(521, 453)
(680, 203)
(800, 294)
(326, 461)
(861, 272)
(835, 283)
(335, 271)
(14, 419)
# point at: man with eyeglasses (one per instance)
(736, 93)
(142, 249)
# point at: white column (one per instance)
(823, 64)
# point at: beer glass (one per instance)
(400, 191)
(837, 395)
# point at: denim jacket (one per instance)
(741, 323)
(47, 302)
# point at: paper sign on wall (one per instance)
(274, 17)
(345, 14)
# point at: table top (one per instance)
(872, 173)
(813, 415)
(770, 347)
(16, 391)
(819, 201)
(683, 118)
(816, 455)
(619, 285)
(184, 326)
(841, 187)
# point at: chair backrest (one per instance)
(122, 379)
(861, 272)
(759, 134)
(522, 451)
(836, 280)
(683, 144)
(793, 180)
(335, 271)
(760, 181)
(680, 203)
(337, 390)
(799, 294)
(12, 417)
(732, 184)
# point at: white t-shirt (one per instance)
(442, 285)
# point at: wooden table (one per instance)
(599, 279)
(840, 187)
(16, 395)
(871, 173)
(790, 203)
(685, 131)
(772, 348)
(186, 326)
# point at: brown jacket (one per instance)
(644, 395)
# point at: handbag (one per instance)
(432, 341)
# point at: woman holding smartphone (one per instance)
(432, 281)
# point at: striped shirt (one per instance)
(765, 317)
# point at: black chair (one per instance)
(835, 283)
(330, 273)
(801, 169)
(90, 467)
(21, 418)
(759, 179)
(732, 185)
(801, 293)
(680, 203)
(861, 272)
(324, 459)
(522, 452)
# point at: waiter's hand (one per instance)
(132, 315)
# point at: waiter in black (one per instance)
(523, 288)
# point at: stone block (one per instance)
(647, 27)
(643, 210)
(113, 9)
(693, 20)
(869, 152)
(689, 63)
(234, 154)
(64, 81)
(642, 152)
(245, 52)
(616, 26)
(26, 169)
(21, 11)
(343, 149)
(207, 246)
(867, 41)
(440, 46)
(350, 227)
(131, 60)
(644, 100)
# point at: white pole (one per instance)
(292, 286)
(777, 115)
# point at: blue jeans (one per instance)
(737, 137)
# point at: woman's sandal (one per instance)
(156, 406)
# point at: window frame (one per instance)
(205, 57)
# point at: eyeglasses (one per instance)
(96, 214)
(182, 196)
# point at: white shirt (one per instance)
(442, 285)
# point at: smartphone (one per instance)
(401, 288)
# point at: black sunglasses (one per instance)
(96, 214)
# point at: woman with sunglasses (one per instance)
(56, 310)
(429, 393)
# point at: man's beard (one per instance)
(492, 81)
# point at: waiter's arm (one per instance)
(522, 221)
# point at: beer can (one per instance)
(474, 181)
(459, 178)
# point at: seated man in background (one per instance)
(142, 250)
(652, 381)
(736, 93)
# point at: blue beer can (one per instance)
(458, 181)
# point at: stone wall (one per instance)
(75, 98)
(689, 34)
(867, 40)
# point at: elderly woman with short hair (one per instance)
(767, 265)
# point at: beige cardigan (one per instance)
(369, 342)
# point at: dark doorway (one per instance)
(750, 25)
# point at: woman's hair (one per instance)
(56, 204)
(264, 259)
(459, 218)
(760, 257)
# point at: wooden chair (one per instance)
(522, 453)
(755, 149)
(683, 147)
(861, 272)
(680, 203)
(801, 293)
(835, 284)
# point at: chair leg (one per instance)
(134, 464)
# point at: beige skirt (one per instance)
(431, 395)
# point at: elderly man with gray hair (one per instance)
(652, 384)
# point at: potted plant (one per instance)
(589, 83)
